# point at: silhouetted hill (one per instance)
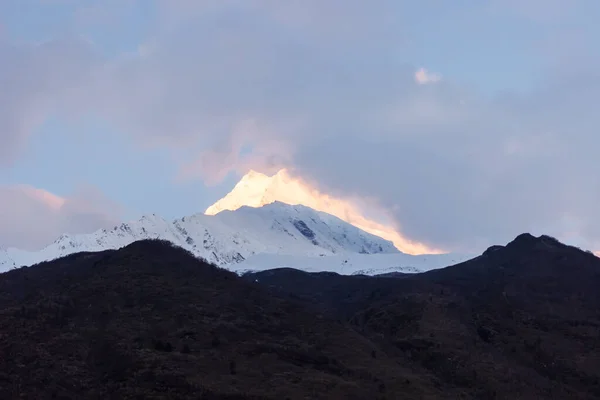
(151, 321)
(521, 321)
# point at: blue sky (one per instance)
(160, 106)
(93, 151)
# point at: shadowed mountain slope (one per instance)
(151, 321)
(519, 321)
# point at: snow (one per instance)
(351, 264)
(226, 238)
(256, 190)
(251, 239)
(251, 191)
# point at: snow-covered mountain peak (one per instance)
(226, 238)
(257, 190)
(249, 191)
(277, 208)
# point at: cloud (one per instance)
(235, 85)
(31, 218)
(37, 80)
(423, 77)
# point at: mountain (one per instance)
(150, 320)
(519, 321)
(351, 264)
(226, 238)
(256, 190)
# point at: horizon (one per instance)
(446, 127)
(224, 204)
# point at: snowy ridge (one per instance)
(226, 239)
(352, 264)
(256, 190)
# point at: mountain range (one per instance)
(153, 321)
(249, 238)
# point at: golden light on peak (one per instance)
(256, 190)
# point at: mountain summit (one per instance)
(226, 238)
(256, 190)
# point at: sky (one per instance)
(468, 121)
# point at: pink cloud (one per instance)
(422, 76)
(31, 218)
(456, 166)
